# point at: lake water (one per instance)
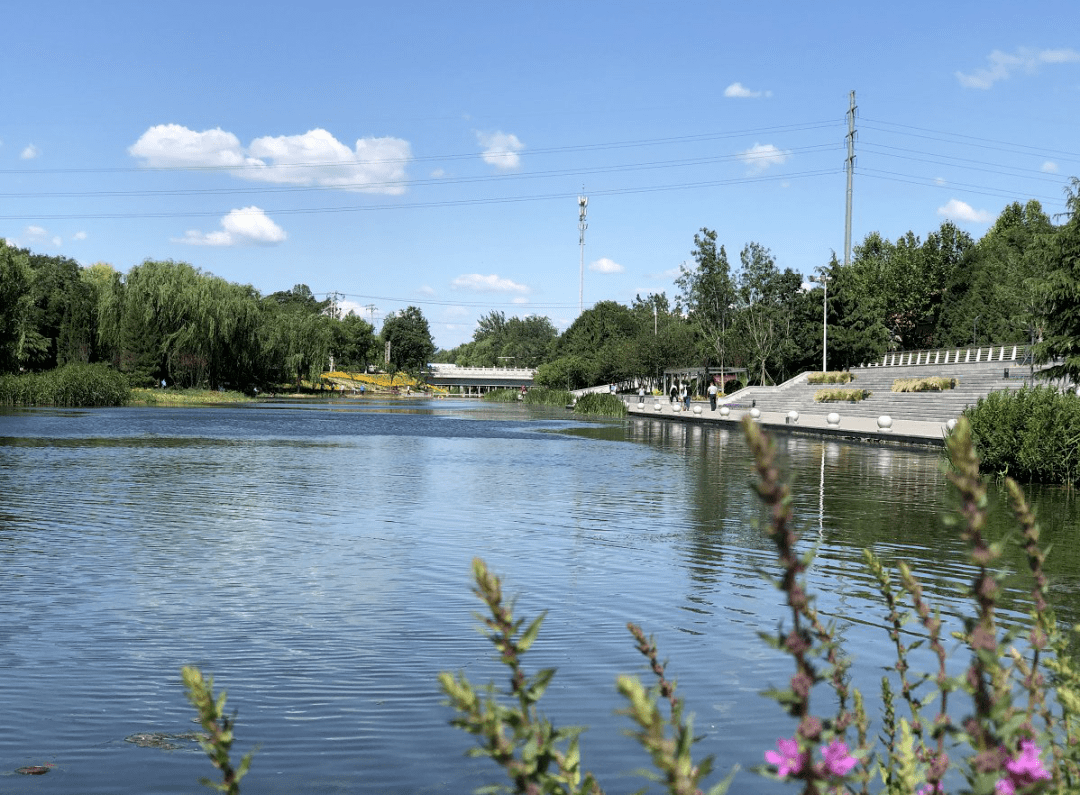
(316, 558)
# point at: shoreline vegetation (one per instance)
(1004, 725)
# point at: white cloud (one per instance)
(957, 210)
(1049, 167)
(739, 91)
(30, 152)
(376, 165)
(348, 307)
(79, 236)
(500, 149)
(1003, 65)
(425, 289)
(940, 181)
(760, 157)
(487, 284)
(519, 300)
(175, 146)
(246, 226)
(605, 265)
(41, 236)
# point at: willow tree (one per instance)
(16, 307)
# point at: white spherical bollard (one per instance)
(657, 407)
(724, 411)
(677, 408)
(833, 419)
(793, 416)
(697, 409)
(884, 423)
(755, 414)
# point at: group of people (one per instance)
(680, 392)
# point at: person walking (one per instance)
(673, 393)
(641, 396)
(712, 396)
(684, 393)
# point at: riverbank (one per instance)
(850, 428)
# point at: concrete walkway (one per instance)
(906, 432)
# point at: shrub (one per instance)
(1031, 434)
(73, 385)
(836, 395)
(932, 384)
(841, 377)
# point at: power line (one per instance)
(241, 167)
(426, 205)
(368, 186)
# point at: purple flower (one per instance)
(927, 789)
(1023, 770)
(838, 762)
(789, 761)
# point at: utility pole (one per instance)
(583, 204)
(850, 171)
(371, 313)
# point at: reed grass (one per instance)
(73, 385)
(600, 404)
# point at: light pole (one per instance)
(823, 279)
(975, 329)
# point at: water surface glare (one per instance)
(316, 559)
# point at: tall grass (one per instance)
(602, 404)
(548, 397)
(1031, 434)
(537, 396)
(501, 395)
(73, 385)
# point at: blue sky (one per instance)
(432, 153)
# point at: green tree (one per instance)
(411, 347)
(1060, 289)
(765, 299)
(355, 344)
(707, 294)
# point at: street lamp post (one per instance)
(823, 279)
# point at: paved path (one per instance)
(861, 428)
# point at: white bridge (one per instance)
(478, 380)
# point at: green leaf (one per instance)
(530, 634)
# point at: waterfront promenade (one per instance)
(916, 417)
(908, 432)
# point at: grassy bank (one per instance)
(186, 397)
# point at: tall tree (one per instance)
(707, 293)
(410, 341)
(1061, 291)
